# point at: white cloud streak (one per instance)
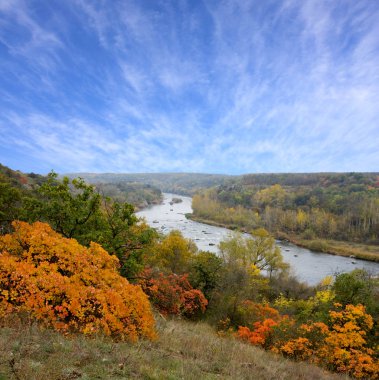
(232, 86)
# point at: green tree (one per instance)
(69, 207)
(76, 210)
(126, 237)
(205, 273)
(10, 203)
(356, 287)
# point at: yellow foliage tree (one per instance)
(174, 253)
(63, 284)
(301, 219)
(345, 347)
(274, 195)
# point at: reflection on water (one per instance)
(307, 265)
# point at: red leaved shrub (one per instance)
(173, 294)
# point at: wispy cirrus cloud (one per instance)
(232, 86)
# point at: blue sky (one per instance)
(232, 86)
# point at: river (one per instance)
(307, 265)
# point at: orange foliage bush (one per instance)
(173, 294)
(341, 347)
(311, 338)
(345, 347)
(257, 312)
(260, 334)
(263, 319)
(299, 348)
(69, 287)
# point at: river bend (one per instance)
(307, 265)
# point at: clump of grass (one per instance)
(184, 350)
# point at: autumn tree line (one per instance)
(79, 262)
(340, 206)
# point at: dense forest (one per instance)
(78, 262)
(309, 207)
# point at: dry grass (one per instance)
(341, 248)
(183, 351)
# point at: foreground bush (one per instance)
(69, 287)
(341, 345)
(263, 320)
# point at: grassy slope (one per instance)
(183, 351)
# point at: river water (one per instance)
(307, 265)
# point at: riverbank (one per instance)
(333, 247)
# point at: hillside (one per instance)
(188, 183)
(20, 180)
(184, 350)
(84, 263)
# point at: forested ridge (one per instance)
(178, 183)
(78, 262)
(318, 208)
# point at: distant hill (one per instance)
(179, 183)
(310, 179)
(190, 183)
